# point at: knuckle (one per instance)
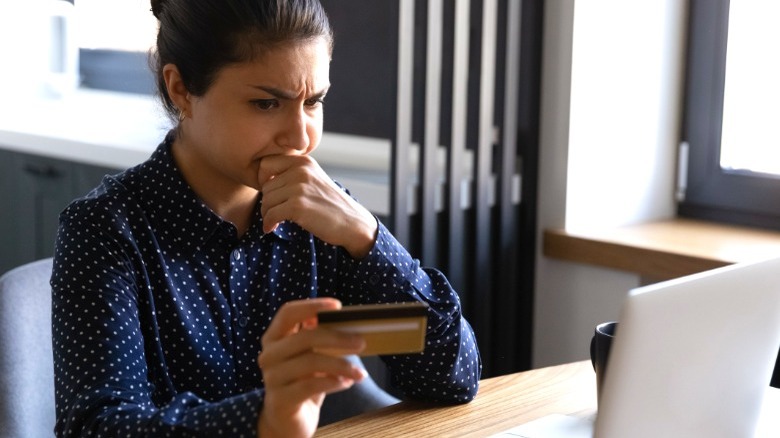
(297, 205)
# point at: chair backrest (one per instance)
(26, 363)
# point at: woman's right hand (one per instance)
(297, 378)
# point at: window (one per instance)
(116, 25)
(733, 172)
(749, 137)
(114, 38)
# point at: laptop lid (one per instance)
(693, 356)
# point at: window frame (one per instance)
(713, 193)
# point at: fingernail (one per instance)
(360, 373)
(346, 382)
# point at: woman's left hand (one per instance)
(295, 188)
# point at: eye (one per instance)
(315, 101)
(265, 104)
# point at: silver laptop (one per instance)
(692, 357)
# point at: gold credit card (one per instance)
(397, 328)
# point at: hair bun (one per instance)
(157, 8)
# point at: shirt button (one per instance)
(236, 254)
(374, 280)
(243, 321)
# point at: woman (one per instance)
(186, 288)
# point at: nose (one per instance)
(293, 134)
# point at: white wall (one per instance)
(609, 126)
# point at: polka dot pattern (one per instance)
(159, 308)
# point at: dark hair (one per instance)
(200, 37)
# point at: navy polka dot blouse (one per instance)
(158, 309)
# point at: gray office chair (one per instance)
(363, 397)
(26, 365)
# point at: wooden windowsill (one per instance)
(664, 249)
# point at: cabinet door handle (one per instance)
(42, 170)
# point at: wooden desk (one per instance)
(502, 403)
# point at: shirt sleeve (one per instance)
(102, 381)
(449, 368)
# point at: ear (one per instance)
(176, 89)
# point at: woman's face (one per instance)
(268, 106)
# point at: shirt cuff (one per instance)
(387, 269)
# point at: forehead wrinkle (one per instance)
(289, 71)
(289, 95)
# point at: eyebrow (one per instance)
(282, 94)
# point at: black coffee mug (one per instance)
(600, 345)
